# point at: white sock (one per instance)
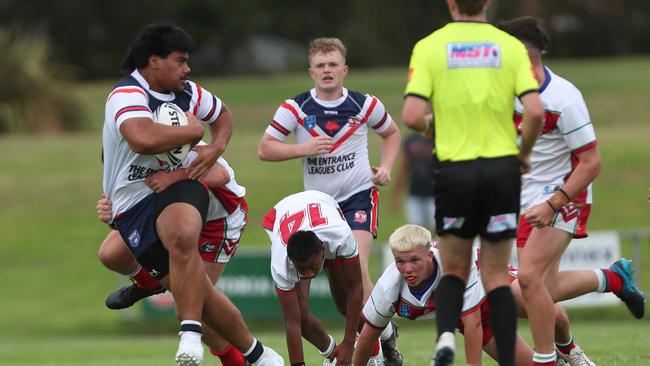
(387, 332)
(544, 357)
(602, 281)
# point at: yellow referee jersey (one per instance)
(471, 72)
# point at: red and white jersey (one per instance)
(567, 131)
(309, 210)
(223, 200)
(392, 295)
(345, 170)
(125, 170)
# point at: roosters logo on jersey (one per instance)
(331, 126)
(360, 216)
(354, 121)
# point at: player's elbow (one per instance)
(142, 146)
(262, 152)
(410, 119)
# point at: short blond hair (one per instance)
(408, 237)
(326, 45)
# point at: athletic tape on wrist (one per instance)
(330, 348)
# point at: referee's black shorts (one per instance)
(478, 197)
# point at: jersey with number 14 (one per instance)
(313, 211)
(345, 169)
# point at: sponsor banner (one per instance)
(248, 283)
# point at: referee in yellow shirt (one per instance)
(471, 72)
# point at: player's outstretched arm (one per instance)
(291, 312)
(473, 333)
(221, 131)
(369, 335)
(216, 177)
(352, 273)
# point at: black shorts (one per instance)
(137, 225)
(478, 197)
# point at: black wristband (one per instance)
(565, 194)
(298, 364)
(552, 208)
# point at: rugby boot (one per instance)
(128, 295)
(392, 356)
(630, 294)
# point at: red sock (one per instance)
(552, 363)
(614, 281)
(375, 349)
(230, 356)
(566, 349)
(144, 280)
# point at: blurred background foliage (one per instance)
(87, 40)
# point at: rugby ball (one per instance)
(172, 115)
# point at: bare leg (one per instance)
(115, 256)
(523, 352)
(179, 226)
(364, 241)
(538, 261)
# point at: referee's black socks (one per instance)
(449, 303)
(503, 319)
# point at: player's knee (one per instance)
(527, 281)
(181, 241)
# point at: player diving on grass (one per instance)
(407, 289)
(309, 234)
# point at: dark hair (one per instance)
(303, 245)
(470, 7)
(527, 29)
(158, 39)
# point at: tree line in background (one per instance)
(90, 37)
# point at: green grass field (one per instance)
(52, 310)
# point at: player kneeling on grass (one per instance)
(407, 289)
(217, 244)
(308, 233)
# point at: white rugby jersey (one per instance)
(223, 200)
(125, 170)
(567, 131)
(345, 170)
(309, 210)
(392, 295)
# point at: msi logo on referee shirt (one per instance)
(473, 54)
